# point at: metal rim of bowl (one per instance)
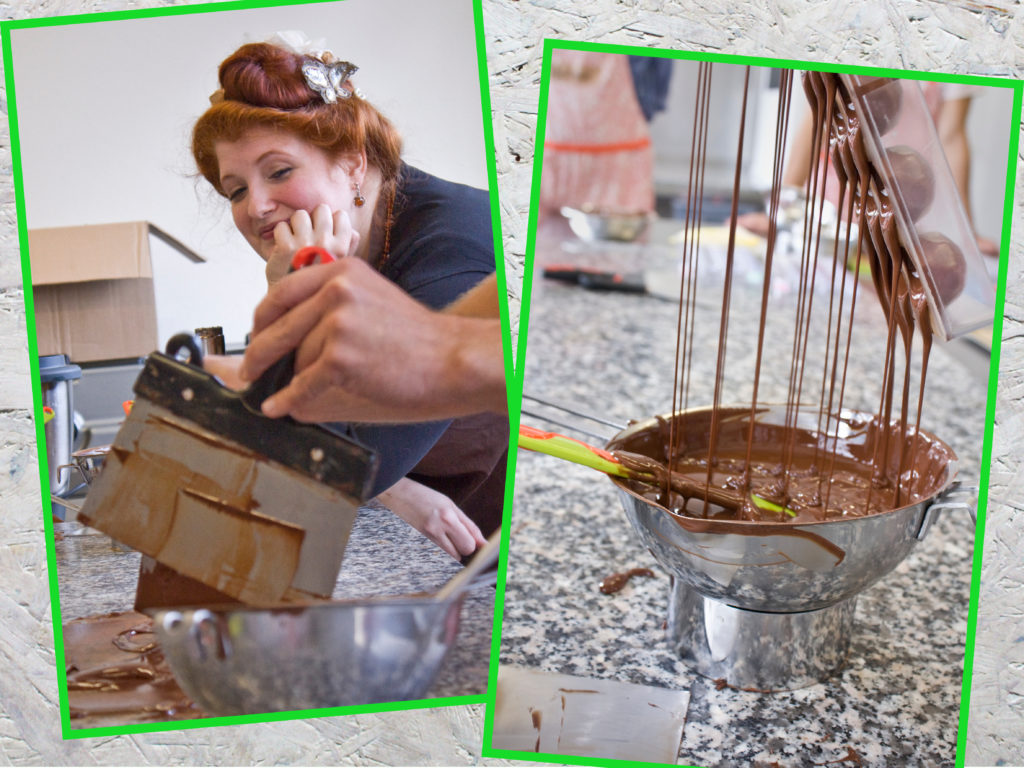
(952, 469)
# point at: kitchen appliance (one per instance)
(211, 339)
(761, 606)
(770, 605)
(57, 376)
(238, 661)
(87, 463)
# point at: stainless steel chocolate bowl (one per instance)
(238, 659)
(243, 660)
(769, 605)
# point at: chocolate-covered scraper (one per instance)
(908, 162)
(255, 509)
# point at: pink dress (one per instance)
(597, 146)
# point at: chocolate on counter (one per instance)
(114, 666)
(611, 584)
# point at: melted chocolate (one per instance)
(842, 487)
(852, 756)
(115, 668)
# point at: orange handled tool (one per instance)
(578, 452)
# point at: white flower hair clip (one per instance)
(328, 80)
(296, 41)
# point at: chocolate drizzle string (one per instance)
(837, 144)
(691, 249)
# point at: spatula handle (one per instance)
(276, 377)
(567, 448)
(464, 579)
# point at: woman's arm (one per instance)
(435, 516)
(479, 301)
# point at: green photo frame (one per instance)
(460, 126)
(597, 352)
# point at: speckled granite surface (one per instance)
(384, 556)
(897, 700)
(916, 34)
(996, 728)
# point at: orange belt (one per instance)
(621, 146)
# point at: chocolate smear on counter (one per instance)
(115, 668)
(852, 756)
(611, 584)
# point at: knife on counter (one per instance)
(661, 284)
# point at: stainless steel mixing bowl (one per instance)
(239, 660)
(782, 567)
(590, 225)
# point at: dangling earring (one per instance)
(359, 200)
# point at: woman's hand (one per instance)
(988, 247)
(226, 368)
(331, 231)
(434, 515)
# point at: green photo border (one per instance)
(513, 391)
(1017, 87)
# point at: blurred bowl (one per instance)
(590, 225)
(244, 660)
(239, 659)
(89, 461)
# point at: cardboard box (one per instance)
(94, 290)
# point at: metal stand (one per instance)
(754, 650)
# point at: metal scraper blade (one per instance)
(257, 509)
(558, 714)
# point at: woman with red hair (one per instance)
(305, 160)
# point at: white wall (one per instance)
(105, 111)
(672, 130)
(988, 133)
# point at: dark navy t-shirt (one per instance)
(441, 246)
(441, 239)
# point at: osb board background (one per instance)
(962, 37)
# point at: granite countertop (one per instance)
(384, 556)
(896, 702)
